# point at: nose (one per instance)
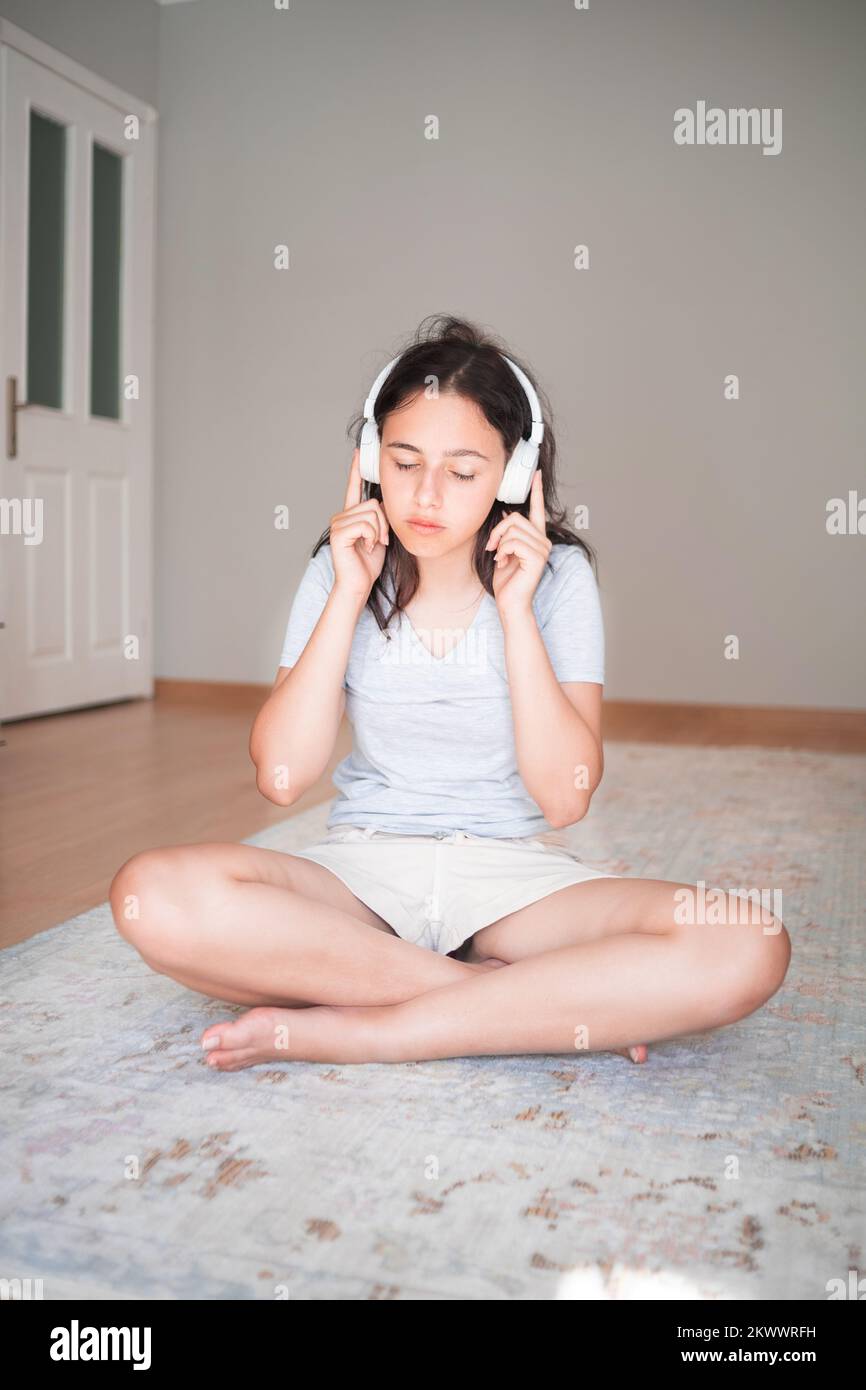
(428, 492)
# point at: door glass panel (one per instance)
(105, 268)
(45, 260)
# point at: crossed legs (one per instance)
(597, 966)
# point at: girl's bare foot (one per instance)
(319, 1033)
(270, 1034)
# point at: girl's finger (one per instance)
(512, 518)
(356, 526)
(496, 534)
(520, 547)
(527, 524)
(384, 529)
(536, 503)
(371, 507)
(355, 484)
(497, 530)
(378, 511)
(530, 534)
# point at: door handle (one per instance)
(13, 405)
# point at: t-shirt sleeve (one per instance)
(310, 598)
(571, 624)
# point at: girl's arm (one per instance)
(294, 732)
(556, 747)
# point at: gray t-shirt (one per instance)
(433, 735)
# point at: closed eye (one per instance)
(465, 477)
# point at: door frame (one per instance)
(141, 681)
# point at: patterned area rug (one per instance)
(730, 1165)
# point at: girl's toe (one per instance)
(233, 1060)
(218, 1035)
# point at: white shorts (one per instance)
(438, 890)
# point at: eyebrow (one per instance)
(449, 453)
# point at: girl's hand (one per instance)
(359, 537)
(522, 548)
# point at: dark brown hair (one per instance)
(467, 361)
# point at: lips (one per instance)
(421, 525)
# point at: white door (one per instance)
(77, 160)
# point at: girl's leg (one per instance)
(256, 926)
(200, 985)
(638, 974)
(660, 979)
(583, 912)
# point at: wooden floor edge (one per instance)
(774, 726)
(220, 694)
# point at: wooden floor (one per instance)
(83, 791)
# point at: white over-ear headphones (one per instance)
(517, 478)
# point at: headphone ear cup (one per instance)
(369, 447)
(517, 478)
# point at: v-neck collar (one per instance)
(444, 657)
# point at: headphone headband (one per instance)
(517, 478)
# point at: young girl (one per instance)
(455, 617)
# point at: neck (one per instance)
(448, 577)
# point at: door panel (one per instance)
(76, 228)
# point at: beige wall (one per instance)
(556, 128)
